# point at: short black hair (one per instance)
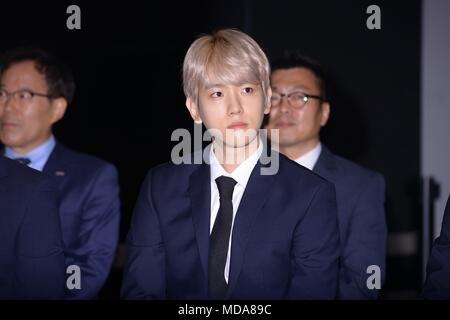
(294, 59)
(58, 75)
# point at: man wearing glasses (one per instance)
(299, 110)
(35, 91)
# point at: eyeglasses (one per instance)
(295, 99)
(20, 96)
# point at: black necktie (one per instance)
(24, 161)
(219, 239)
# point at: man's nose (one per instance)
(284, 104)
(235, 104)
(10, 104)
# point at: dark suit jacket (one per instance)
(285, 241)
(31, 248)
(437, 284)
(362, 225)
(90, 214)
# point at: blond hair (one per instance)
(227, 56)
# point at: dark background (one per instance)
(127, 59)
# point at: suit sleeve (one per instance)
(99, 234)
(366, 242)
(39, 264)
(437, 284)
(314, 262)
(144, 273)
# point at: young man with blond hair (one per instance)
(224, 228)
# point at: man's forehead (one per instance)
(290, 87)
(293, 79)
(21, 74)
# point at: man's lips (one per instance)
(284, 124)
(6, 125)
(238, 125)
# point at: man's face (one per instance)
(25, 123)
(235, 112)
(297, 125)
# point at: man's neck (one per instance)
(230, 158)
(30, 147)
(294, 152)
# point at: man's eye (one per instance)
(299, 97)
(25, 95)
(217, 94)
(248, 90)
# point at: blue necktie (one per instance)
(24, 161)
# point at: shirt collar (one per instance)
(241, 174)
(37, 154)
(310, 158)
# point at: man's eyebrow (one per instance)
(294, 88)
(213, 85)
(24, 88)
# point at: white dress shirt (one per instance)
(310, 158)
(241, 175)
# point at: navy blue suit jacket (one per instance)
(362, 225)
(437, 284)
(90, 215)
(31, 248)
(285, 241)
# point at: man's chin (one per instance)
(285, 142)
(7, 141)
(239, 142)
(236, 144)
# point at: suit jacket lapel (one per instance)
(3, 172)
(251, 204)
(253, 200)
(200, 193)
(2, 163)
(326, 164)
(54, 165)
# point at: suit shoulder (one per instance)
(349, 168)
(291, 170)
(83, 159)
(169, 170)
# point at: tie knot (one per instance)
(226, 187)
(24, 161)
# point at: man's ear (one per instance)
(59, 106)
(193, 110)
(268, 103)
(325, 113)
